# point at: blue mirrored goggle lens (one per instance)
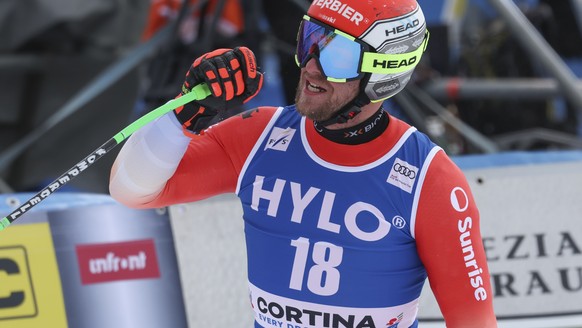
(338, 56)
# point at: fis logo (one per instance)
(280, 139)
(17, 299)
(402, 175)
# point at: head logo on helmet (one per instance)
(388, 27)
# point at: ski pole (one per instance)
(199, 92)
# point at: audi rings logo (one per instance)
(402, 175)
(404, 170)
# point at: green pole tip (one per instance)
(4, 223)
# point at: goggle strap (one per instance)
(393, 63)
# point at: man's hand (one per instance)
(233, 79)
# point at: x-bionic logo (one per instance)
(354, 133)
(369, 127)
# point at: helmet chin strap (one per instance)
(351, 109)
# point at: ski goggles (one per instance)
(341, 57)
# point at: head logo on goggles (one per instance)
(342, 57)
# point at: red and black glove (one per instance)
(233, 79)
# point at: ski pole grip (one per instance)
(199, 92)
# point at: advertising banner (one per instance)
(531, 224)
(83, 260)
(30, 287)
(118, 266)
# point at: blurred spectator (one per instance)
(230, 21)
(203, 25)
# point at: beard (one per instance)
(318, 110)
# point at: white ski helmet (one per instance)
(378, 41)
